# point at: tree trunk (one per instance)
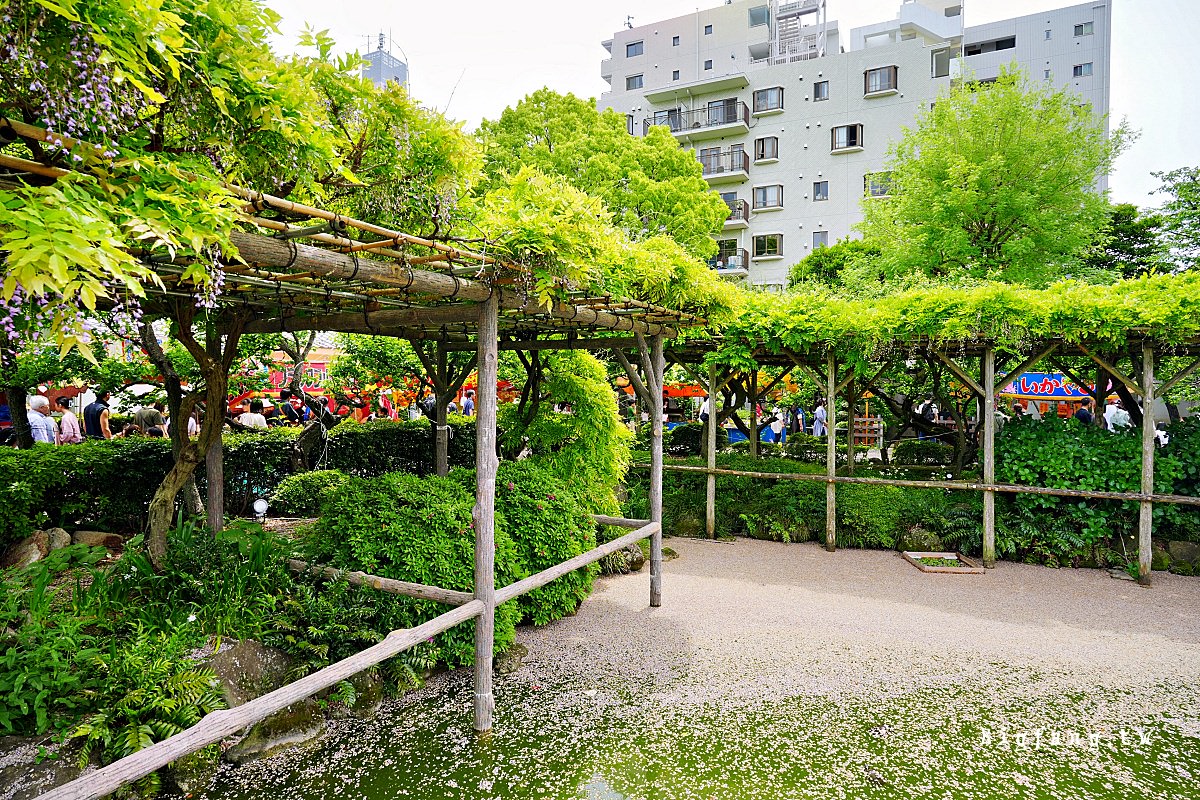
(18, 397)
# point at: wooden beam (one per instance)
(831, 451)
(370, 322)
(598, 343)
(1146, 508)
(219, 724)
(620, 522)
(1024, 367)
(1111, 370)
(1056, 363)
(710, 488)
(658, 369)
(526, 585)
(959, 372)
(484, 513)
(1179, 376)
(812, 373)
(389, 585)
(25, 165)
(989, 457)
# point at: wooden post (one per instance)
(441, 439)
(214, 476)
(830, 451)
(1146, 508)
(989, 457)
(710, 489)
(484, 514)
(851, 401)
(753, 410)
(658, 368)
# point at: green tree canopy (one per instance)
(649, 184)
(1131, 244)
(996, 181)
(1182, 213)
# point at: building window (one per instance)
(768, 196)
(1084, 29)
(821, 90)
(629, 124)
(766, 148)
(768, 99)
(671, 117)
(633, 49)
(820, 239)
(633, 82)
(979, 48)
(708, 30)
(820, 190)
(884, 79)
(759, 15)
(1048, 35)
(674, 41)
(708, 64)
(1082, 70)
(877, 184)
(846, 136)
(769, 245)
(1046, 74)
(726, 249)
(674, 74)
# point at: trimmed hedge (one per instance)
(108, 484)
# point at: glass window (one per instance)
(707, 30)
(1048, 35)
(674, 41)
(1082, 70)
(759, 15)
(820, 190)
(1046, 74)
(844, 136)
(671, 117)
(766, 148)
(633, 82)
(877, 184)
(1084, 29)
(726, 248)
(768, 99)
(674, 74)
(820, 239)
(880, 80)
(821, 90)
(708, 64)
(769, 245)
(629, 124)
(633, 49)
(768, 196)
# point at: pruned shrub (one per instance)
(301, 495)
(923, 452)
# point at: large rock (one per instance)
(58, 538)
(24, 777)
(635, 559)
(249, 670)
(1160, 559)
(510, 660)
(1184, 551)
(299, 724)
(919, 540)
(111, 541)
(191, 774)
(33, 548)
(368, 696)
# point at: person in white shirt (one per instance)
(777, 425)
(41, 424)
(819, 420)
(705, 409)
(1116, 416)
(254, 417)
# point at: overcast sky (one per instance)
(471, 59)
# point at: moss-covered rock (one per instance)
(919, 540)
(301, 723)
(1160, 559)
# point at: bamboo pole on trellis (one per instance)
(1146, 508)
(989, 457)
(710, 487)
(831, 451)
(486, 464)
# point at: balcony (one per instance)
(606, 70)
(728, 166)
(727, 118)
(739, 215)
(731, 265)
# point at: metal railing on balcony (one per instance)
(739, 211)
(724, 162)
(738, 259)
(729, 112)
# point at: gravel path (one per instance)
(782, 671)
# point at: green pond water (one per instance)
(628, 740)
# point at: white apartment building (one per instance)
(792, 120)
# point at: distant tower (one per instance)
(382, 67)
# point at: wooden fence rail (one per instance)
(389, 585)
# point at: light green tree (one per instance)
(996, 181)
(1181, 213)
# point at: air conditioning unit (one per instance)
(733, 262)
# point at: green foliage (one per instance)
(419, 530)
(1131, 244)
(1181, 214)
(301, 495)
(923, 452)
(547, 519)
(320, 623)
(151, 691)
(688, 439)
(826, 265)
(588, 448)
(995, 182)
(45, 646)
(649, 184)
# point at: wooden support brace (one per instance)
(1179, 376)
(959, 372)
(1023, 367)
(1111, 370)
